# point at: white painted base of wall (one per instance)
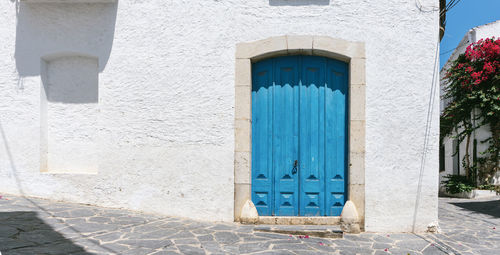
(471, 195)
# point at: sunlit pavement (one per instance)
(37, 226)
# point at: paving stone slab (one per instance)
(147, 243)
(252, 247)
(7, 231)
(165, 253)
(414, 245)
(204, 238)
(188, 249)
(9, 243)
(226, 237)
(186, 241)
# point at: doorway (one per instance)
(299, 136)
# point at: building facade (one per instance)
(453, 151)
(193, 108)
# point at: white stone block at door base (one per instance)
(349, 219)
(249, 213)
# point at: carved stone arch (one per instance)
(352, 53)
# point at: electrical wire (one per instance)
(452, 4)
(448, 51)
(449, 6)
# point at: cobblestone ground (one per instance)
(36, 226)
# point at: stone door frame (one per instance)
(352, 53)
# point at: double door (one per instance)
(299, 136)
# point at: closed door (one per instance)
(299, 136)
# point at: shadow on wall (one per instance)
(298, 2)
(25, 233)
(45, 29)
(70, 78)
(491, 208)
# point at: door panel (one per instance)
(336, 136)
(262, 142)
(311, 120)
(299, 113)
(285, 135)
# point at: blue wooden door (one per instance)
(299, 136)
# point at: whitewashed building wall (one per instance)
(154, 130)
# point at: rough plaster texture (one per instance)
(166, 99)
(473, 35)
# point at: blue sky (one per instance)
(464, 16)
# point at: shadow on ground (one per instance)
(23, 232)
(491, 208)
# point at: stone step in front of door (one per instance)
(293, 220)
(303, 231)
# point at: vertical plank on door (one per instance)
(311, 176)
(336, 137)
(262, 101)
(285, 137)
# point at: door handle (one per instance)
(295, 164)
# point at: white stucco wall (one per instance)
(473, 35)
(164, 130)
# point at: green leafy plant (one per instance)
(457, 184)
(495, 188)
(486, 187)
(473, 89)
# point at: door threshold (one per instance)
(303, 231)
(299, 220)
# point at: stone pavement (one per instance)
(37, 226)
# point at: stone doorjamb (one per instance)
(349, 52)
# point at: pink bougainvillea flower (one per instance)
(386, 249)
(320, 243)
(476, 75)
(488, 67)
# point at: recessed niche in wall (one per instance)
(69, 112)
